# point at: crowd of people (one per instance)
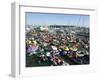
(53, 47)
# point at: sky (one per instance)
(58, 19)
